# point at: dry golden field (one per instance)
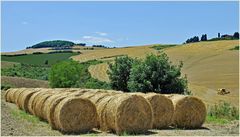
(138, 51)
(208, 66)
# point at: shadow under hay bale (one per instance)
(189, 112)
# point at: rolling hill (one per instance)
(208, 65)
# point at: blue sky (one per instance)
(114, 23)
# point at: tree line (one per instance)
(61, 45)
(219, 37)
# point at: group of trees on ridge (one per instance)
(60, 44)
(54, 43)
(204, 38)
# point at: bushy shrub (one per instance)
(64, 74)
(154, 74)
(157, 74)
(73, 74)
(119, 72)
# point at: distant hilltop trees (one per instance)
(80, 44)
(61, 45)
(101, 46)
(53, 44)
(219, 37)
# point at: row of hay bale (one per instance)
(81, 110)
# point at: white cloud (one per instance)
(92, 39)
(101, 33)
(24, 23)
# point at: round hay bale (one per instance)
(75, 114)
(17, 94)
(189, 111)
(37, 98)
(58, 93)
(95, 96)
(100, 100)
(31, 101)
(24, 98)
(101, 105)
(128, 113)
(50, 106)
(163, 110)
(38, 108)
(12, 94)
(7, 94)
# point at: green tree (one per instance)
(157, 74)
(204, 37)
(65, 74)
(119, 73)
(236, 35)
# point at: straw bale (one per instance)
(75, 114)
(128, 113)
(189, 111)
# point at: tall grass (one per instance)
(222, 113)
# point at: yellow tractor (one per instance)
(222, 91)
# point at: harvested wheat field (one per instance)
(208, 66)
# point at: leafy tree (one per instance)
(236, 35)
(193, 39)
(204, 37)
(119, 72)
(157, 74)
(65, 74)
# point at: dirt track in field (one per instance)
(16, 126)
